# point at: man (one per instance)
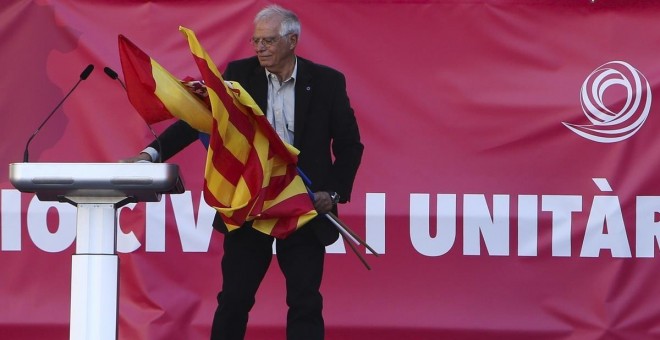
(308, 106)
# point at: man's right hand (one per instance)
(141, 157)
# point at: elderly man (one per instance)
(308, 107)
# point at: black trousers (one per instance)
(247, 256)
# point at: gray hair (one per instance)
(290, 23)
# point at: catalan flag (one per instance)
(155, 93)
(250, 172)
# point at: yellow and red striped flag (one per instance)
(250, 172)
(155, 93)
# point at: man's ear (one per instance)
(293, 41)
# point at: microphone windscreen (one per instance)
(88, 70)
(110, 72)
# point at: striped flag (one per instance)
(250, 172)
(155, 93)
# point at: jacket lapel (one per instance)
(303, 98)
(259, 88)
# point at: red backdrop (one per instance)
(495, 220)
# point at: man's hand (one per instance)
(322, 202)
(141, 157)
(197, 87)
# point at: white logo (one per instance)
(608, 126)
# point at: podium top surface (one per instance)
(140, 182)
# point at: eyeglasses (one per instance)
(268, 42)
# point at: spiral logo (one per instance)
(609, 124)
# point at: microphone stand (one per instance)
(88, 70)
(112, 74)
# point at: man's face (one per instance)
(272, 49)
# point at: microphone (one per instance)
(88, 70)
(113, 75)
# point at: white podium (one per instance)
(97, 190)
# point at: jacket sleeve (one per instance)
(346, 145)
(174, 139)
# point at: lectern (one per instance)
(97, 190)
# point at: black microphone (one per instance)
(88, 70)
(113, 75)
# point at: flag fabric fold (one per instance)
(250, 172)
(155, 93)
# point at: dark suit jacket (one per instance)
(324, 128)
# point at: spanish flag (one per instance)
(155, 93)
(250, 172)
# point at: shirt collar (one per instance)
(294, 74)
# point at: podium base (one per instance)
(94, 296)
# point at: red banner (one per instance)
(509, 177)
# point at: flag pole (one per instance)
(347, 237)
(339, 224)
(343, 229)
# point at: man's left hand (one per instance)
(322, 202)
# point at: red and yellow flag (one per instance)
(155, 93)
(250, 172)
